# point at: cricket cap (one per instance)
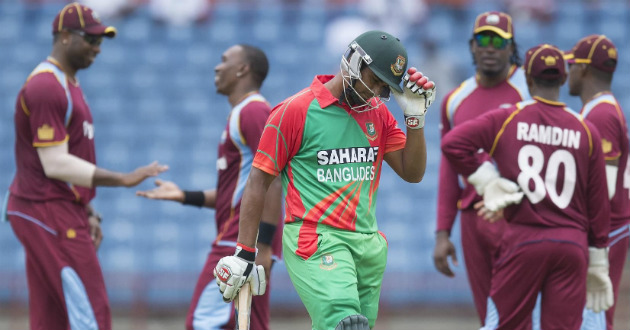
(494, 21)
(75, 16)
(595, 50)
(545, 61)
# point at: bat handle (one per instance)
(243, 305)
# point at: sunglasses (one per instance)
(92, 39)
(484, 40)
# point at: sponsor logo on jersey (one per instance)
(550, 135)
(347, 155)
(71, 233)
(88, 130)
(328, 262)
(348, 173)
(45, 132)
(398, 66)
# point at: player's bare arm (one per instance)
(170, 191)
(103, 177)
(59, 164)
(444, 249)
(252, 205)
(271, 216)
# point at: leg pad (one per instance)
(353, 322)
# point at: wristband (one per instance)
(196, 198)
(245, 252)
(96, 215)
(266, 232)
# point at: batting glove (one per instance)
(497, 192)
(599, 292)
(233, 272)
(417, 95)
(258, 281)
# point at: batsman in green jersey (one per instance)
(328, 143)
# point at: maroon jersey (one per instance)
(469, 101)
(50, 110)
(239, 142)
(556, 158)
(605, 113)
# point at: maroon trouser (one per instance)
(540, 263)
(480, 245)
(65, 281)
(208, 311)
(617, 254)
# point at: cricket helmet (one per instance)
(383, 53)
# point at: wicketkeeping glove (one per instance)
(497, 192)
(417, 96)
(599, 292)
(233, 272)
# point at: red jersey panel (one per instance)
(469, 101)
(606, 114)
(50, 110)
(238, 145)
(553, 154)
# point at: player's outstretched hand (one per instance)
(599, 292)
(417, 96)
(232, 272)
(443, 249)
(165, 190)
(140, 174)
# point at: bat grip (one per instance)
(243, 305)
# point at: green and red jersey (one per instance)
(330, 157)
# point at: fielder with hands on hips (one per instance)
(49, 204)
(549, 181)
(327, 142)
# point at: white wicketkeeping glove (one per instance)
(497, 192)
(417, 96)
(233, 272)
(599, 292)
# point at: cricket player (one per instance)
(498, 82)
(592, 63)
(550, 182)
(328, 142)
(49, 205)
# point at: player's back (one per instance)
(556, 158)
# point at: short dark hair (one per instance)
(543, 82)
(603, 75)
(258, 63)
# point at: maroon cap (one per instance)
(75, 16)
(495, 21)
(545, 61)
(595, 50)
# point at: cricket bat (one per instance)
(243, 306)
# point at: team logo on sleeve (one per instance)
(45, 133)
